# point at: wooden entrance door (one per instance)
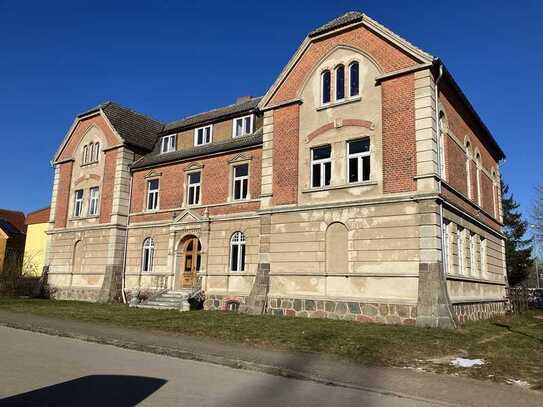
(191, 260)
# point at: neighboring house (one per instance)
(12, 241)
(37, 223)
(363, 185)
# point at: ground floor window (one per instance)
(148, 255)
(237, 252)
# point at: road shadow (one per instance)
(94, 390)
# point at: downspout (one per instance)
(123, 279)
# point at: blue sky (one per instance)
(169, 59)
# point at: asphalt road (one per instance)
(42, 370)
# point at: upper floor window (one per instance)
(203, 135)
(243, 126)
(468, 169)
(94, 193)
(442, 127)
(325, 87)
(152, 194)
(321, 166)
(359, 160)
(237, 252)
(354, 79)
(478, 178)
(340, 82)
(90, 153)
(193, 188)
(78, 203)
(168, 143)
(240, 184)
(148, 255)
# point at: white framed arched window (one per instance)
(354, 79)
(478, 177)
(96, 151)
(442, 128)
(85, 154)
(325, 87)
(468, 169)
(148, 255)
(340, 82)
(237, 252)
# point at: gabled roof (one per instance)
(347, 18)
(213, 115)
(237, 143)
(8, 228)
(134, 128)
(15, 218)
(39, 216)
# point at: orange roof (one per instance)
(16, 218)
(39, 216)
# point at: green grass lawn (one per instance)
(512, 347)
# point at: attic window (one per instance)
(168, 143)
(243, 126)
(203, 135)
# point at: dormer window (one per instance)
(243, 126)
(203, 135)
(168, 143)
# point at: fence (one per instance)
(523, 299)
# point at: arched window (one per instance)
(85, 154)
(148, 255)
(340, 82)
(337, 244)
(494, 193)
(468, 169)
(237, 252)
(325, 87)
(478, 177)
(354, 79)
(96, 151)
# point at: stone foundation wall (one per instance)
(74, 293)
(222, 302)
(477, 311)
(404, 314)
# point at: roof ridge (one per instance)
(218, 108)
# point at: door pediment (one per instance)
(187, 216)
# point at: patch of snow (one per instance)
(520, 383)
(463, 362)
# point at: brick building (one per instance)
(363, 185)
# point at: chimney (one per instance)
(242, 99)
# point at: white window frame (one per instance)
(447, 245)
(442, 168)
(350, 79)
(152, 192)
(148, 249)
(97, 151)
(196, 185)
(210, 126)
(322, 88)
(237, 240)
(478, 178)
(85, 154)
(78, 203)
(359, 157)
(321, 162)
(460, 250)
(482, 254)
(243, 132)
(240, 179)
(336, 87)
(168, 143)
(472, 251)
(94, 199)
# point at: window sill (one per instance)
(89, 164)
(344, 186)
(151, 210)
(76, 218)
(339, 103)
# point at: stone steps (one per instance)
(168, 300)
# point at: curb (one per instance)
(220, 360)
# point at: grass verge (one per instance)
(511, 347)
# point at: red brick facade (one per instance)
(63, 194)
(215, 184)
(285, 154)
(399, 145)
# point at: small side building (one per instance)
(36, 241)
(12, 240)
